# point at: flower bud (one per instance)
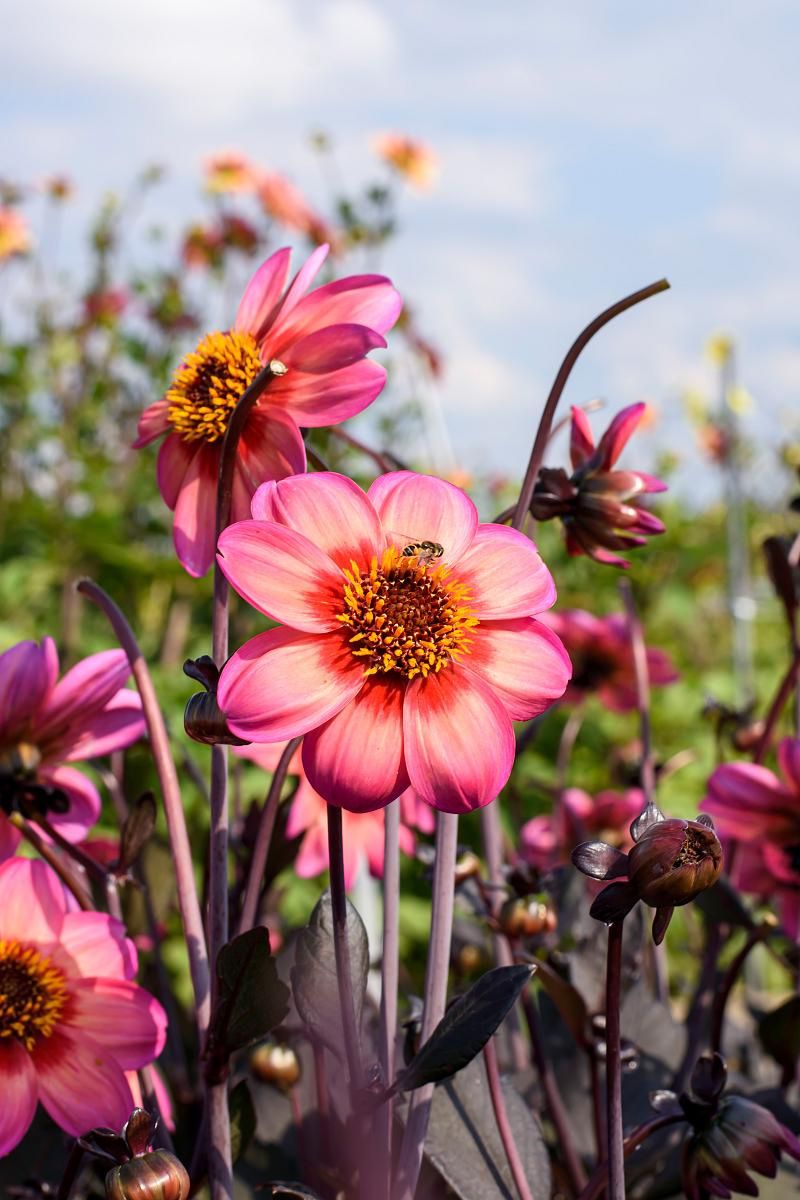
(468, 865)
(526, 917)
(275, 1064)
(203, 719)
(673, 861)
(742, 1136)
(157, 1175)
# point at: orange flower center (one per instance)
(33, 993)
(210, 383)
(405, 617)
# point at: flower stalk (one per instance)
(503, 1124)
(266, 826)
(344, 977)
(616, 1155)
(389, 971)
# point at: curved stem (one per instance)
(173, 807)
(503, 1125)
(316, 460)
(70, 1171)
(597, 1183)
(435, 997)
(616, 1157)
(344, 977)
(389, 973)
(383, 464)
(564, 372)
(776, 708)
(266, 825)
(726, 985)
(54, 860)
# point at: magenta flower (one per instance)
(400, 663)
(46, 723)
(548, 841)
(321, 338)
(362, 832)
(602, 658)
(601, 508)
(72, 1022)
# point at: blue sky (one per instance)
(586, 149)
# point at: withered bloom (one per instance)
(601, 508)
(671, 862)
(731, 1135)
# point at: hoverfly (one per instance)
(424, 552)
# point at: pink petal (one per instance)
(25, 680)
(789, 762)
(540, 844)
(615, 438)
(84, 802)
(651, 484)
(262, 294)
(18, 1089)
(32, 901)
(373, 841)
(356, 760)
(747, 800)
(416, 813)
(369, 300)
(423, 508)
(312, 858)
(297, 289)
(330, 510)
(282, 574)
(459, 740)
(581, 445)
(95, 944)
(81, 1084)
(174, 459)
(523, 662)
(152, 424)
(10, 838)
(194, 529)
(331, 349)
(283, 683)
(119, 1015)
(504, 574)
(308, 808)
(267, 755)
(271, 447)
(315, 400)
(81, 694)
(120, 724)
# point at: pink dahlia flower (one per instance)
(362, 832)
(408, 641)
(750, 803)
(282, 201)
(72, 1022)
(601, 508)
(322, 339)
(602, 658)
(47, 723)
(548, 841)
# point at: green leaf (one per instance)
(466, 1027)
(252, 1000)
(314, 983)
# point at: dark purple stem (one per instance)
(776, 708)
(641, 1133)
(341, 946)
(263, 839)
(173, 806)
(389, 974)
(726, 985)
(68, 877)
(503, 954)
(503, 1125)
(70, 1171)
(616, 1156)
(383, 464)
(435, 997)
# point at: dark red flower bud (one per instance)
(674, 861)
(157, 1175)
(275, 1064)
(526, 917)
(203, 719)
(468, 865)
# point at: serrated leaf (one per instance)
(137, 830)
(252, 1000)
(243, 1119)
(314, 983)
(465, 1028)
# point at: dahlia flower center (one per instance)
(33, 993)
(210, 383)
(694, 850)
(404, 617)
(20, 790)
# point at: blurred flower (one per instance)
(202, 247)
(168, 308)
(46, 722)
(15, 236)
(237, 234)
(321, 339)
(58, 187)
(398, 668)
(282, 201)
(547, 841)
(670, 863)
(412, 159)
(719, 349)
(715, 441)
(71, 1021)
(230, 172)
(751, 871)
(599, 507)
(602, 658)
(105, 306)
(362, 832)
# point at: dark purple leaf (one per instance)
(661, 923)
(600, 861)
(651, 816)
(136, 830)
(613, 903)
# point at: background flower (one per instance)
(397, 669)
(547, 841)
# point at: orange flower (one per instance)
(230, 172)
(412, 159)
(15, 236)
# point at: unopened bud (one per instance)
(203, 719)
(157, 1175)
(275, 1064)
(673, 861)
(526, 917)
(468, 865)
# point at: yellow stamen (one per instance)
(33, 993)
(210, 383)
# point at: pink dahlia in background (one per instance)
(363, 832)
(15, 237)
(321, 338)
(47, 722)
(601, 508)
(229, 172)
(408, 642)
(72, 1022)
(548, 841)
(284, 203)
(602, 658)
